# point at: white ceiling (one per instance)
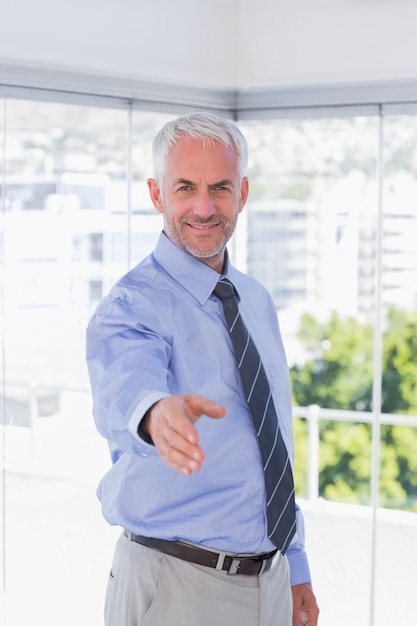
(217, 43)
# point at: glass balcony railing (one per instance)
(55, 459)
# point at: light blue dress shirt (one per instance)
(160, 332)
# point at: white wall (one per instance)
(216, 43)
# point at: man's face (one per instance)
(201, 198)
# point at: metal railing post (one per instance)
(313, 418)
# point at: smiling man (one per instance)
(191, 390)
(200, 196)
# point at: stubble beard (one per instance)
(176, 232)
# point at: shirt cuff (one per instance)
(299, 568)
(138, 415)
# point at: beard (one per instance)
(198, 245)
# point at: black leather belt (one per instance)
(252, 565)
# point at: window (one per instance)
(316, 223)
(335, 246)
(66, 227)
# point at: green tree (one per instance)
(399, 379)
(338, 374)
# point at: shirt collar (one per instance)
(194, 275)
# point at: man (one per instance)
(188, 484)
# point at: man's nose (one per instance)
(204, 205)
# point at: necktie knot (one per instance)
(224, 289)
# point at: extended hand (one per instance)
(305, 609)
(170, 423)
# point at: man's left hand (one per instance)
(305, 609)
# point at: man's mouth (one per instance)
(204, 226)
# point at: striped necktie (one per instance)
(277, 468)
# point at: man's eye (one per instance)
(222, 188)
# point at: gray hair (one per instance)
(205, 126)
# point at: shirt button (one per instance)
(144, 454)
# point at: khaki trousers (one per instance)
(148, 588)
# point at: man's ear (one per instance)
(244, 192)
(155, 193)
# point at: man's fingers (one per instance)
(180, 454)
(171, 425)
(183, 463)
(199, 405)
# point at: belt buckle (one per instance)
(234, 566)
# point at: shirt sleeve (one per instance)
(127, 359)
